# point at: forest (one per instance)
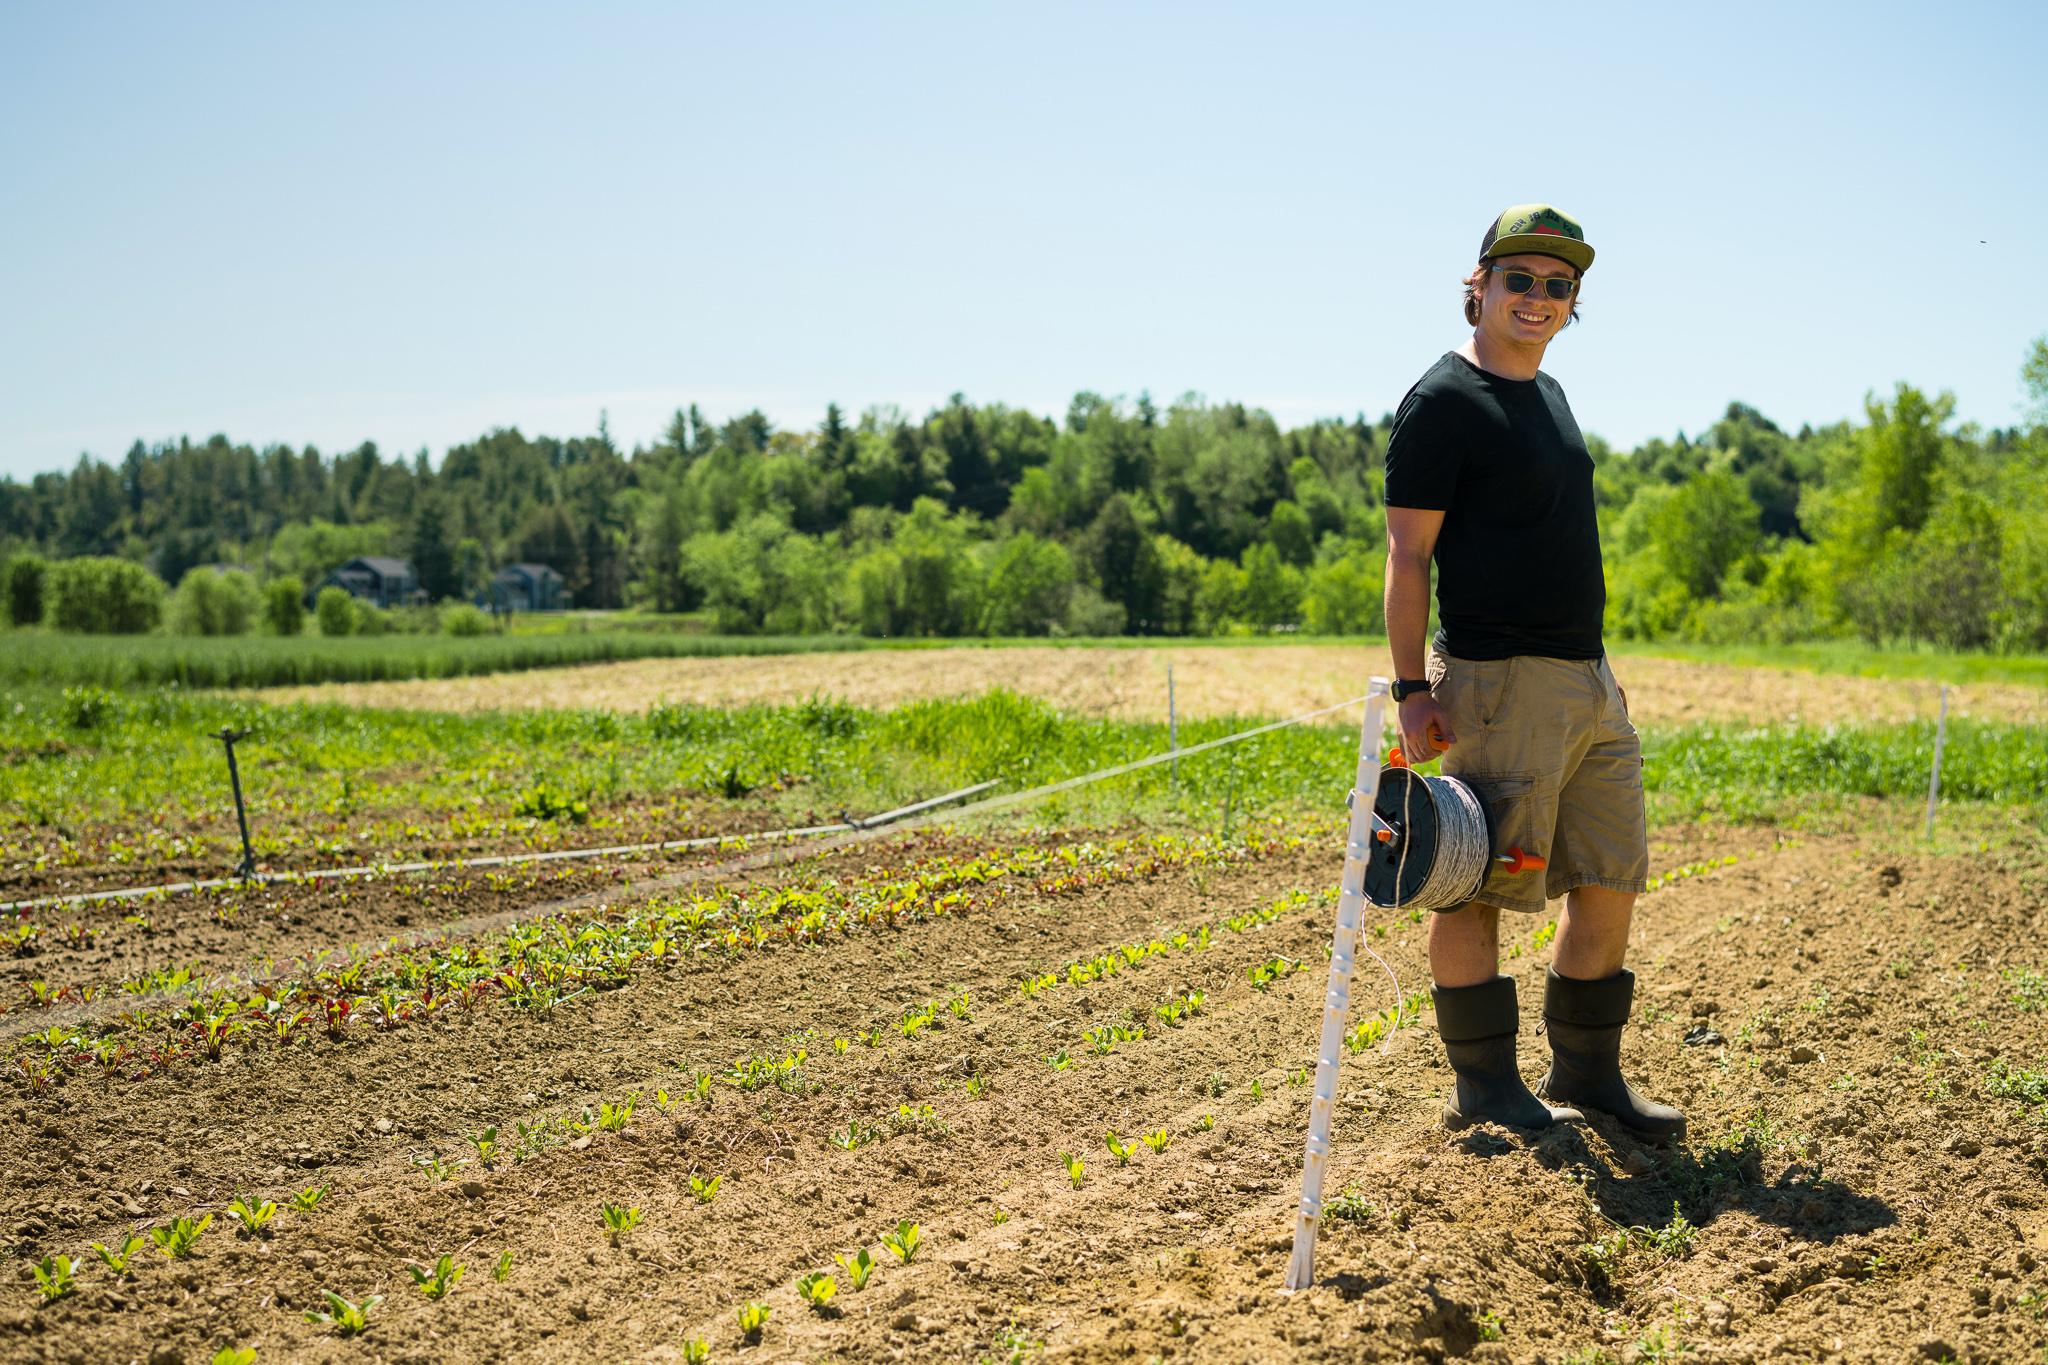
(1121, 517)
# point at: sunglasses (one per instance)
(1522, 281)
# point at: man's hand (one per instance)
(1425, 728)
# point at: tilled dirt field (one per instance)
(1130, 684)
(1864, 1179)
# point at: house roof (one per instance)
(383, 565)
(530, 570)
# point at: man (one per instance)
(1488, 475)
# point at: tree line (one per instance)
(1120, 518)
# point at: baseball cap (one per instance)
(1538, 228)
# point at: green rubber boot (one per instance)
(1584, 1020)
(1478, 1026)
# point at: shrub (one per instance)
(284, 609)
(464, 620)
(21, 582)
(213, 602)
(369, 618)
(100, 595)
(335, 611)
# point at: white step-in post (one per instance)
(1358, 845)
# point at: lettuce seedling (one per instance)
(1158, 1141)
(117, 1261)
(753, 1317)
(705, 1190)
(177, 1238)
(1059, 1061)
(308, 1199)
(502, 1271)
(254, 1214)
(853, 1135)
(976, 1086)
(437, 1282)
(1076, 1168)
(53, 1277)
(618, 1219)
(904, 1241)
(696, 1351)
(344, 1317)
(235, 1355)
(1120, 1150)
(817, 1289)
(840, 1045)
(858, 1267)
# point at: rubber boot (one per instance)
(1478, 1025)
(1585, 1020)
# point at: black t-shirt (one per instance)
(1518, 558)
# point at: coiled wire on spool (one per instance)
(1437, 844)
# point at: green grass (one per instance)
(1860, 660)
(71, 756)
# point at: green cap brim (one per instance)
(1544, 244)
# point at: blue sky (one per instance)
(411, 223)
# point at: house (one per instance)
(376, 579)
(528, 587)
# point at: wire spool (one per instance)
(1441, 844)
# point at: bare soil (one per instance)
(1857, 1191)
(1264, 680)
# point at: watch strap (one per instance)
(1405, 688)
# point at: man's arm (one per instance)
(1411, 539)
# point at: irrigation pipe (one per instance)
(493, 860)
(841, 837)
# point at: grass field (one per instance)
(1049, 1074)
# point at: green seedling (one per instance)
(696, 1351)
(1490, 1328)
(1258, 1090)
(1120, 1150)
(618, 1219)
(177, 1238)
(235, 1355)
(54, 1277)
(308, 1199)
(998, 1218)
(904, 1241)
(868, 1038)
(1076, 1168)
(858, 1268)
(976, 1086)
(502, 1271)
(349, 1319)
(701, 1089)
(817, 1289)
(1158, 1141)
(753, 1317)
(705, 1190)
(1207, 1121)
(117, 1261)
(841, 1045)
(486, 1143)
(611, 1118)
(1349, 1207)
(1059, 1061)
(853, 1135)
(961, 1006)
(255, 1214)
(436, 1283)
(1676, 1238)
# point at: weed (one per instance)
(177, 1238)
(1676, 1238)
(348, 1319)
(1661, 1344)
(858, 1267)
(436, 1283)
(255, 1214)
(1350, 1207)
(502, 1271)
(117, 1261)
(904, 1241)
(2029, 988)
(2004, 1081)
(54, 1277)
(753, 1317)
(817, 1289)
(705, 1190)
(1076, 1168)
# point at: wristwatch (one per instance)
(1405, 688)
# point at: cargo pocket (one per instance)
(1514, 820)
(1474, 691)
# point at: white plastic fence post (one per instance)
(1934, 778)
(1337, 1002)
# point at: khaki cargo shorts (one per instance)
(1548, 747)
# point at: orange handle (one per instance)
(1516, 862)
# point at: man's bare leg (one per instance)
(1477, 1018)
(1586, 1001)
